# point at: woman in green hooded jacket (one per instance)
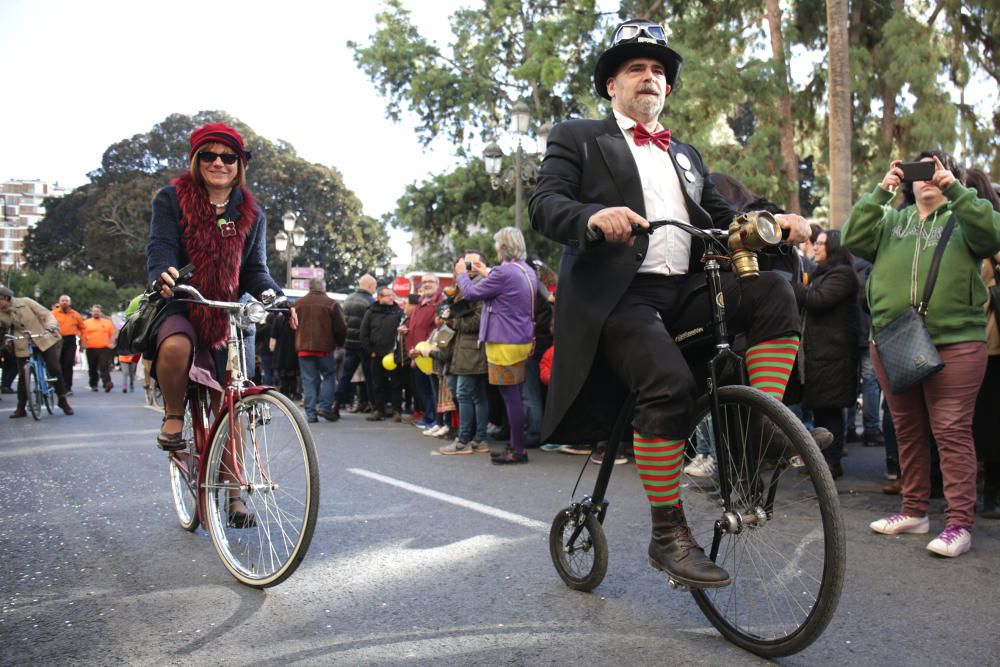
(900, 244)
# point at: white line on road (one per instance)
(454, 500)
(89, 440)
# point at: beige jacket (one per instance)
(28, 316)
(992, 334)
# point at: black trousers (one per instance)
(637, 339)
(388, 386)
(51, 357)
(99, 362)
(67, 358)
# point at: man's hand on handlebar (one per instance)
(616, 223)
(798, 228)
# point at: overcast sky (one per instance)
(83, 75)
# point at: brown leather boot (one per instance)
(673, 550)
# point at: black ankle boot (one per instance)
(673, 550)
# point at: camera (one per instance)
(468, 266)
(917, 171)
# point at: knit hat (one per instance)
(637, 38)
(6, 291)
(221, 133)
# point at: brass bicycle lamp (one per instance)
(748, 233)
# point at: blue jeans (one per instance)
(319, 376)
(352, 359)
(473, 407)
(531, 399)
(426, 398)
(871, 393)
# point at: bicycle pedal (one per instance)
(678, 586)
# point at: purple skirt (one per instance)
(202, 369)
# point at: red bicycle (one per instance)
(257, 451)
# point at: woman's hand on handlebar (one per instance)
(798, 228)
(167, 282)
(616, 223)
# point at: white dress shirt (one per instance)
(669, 251)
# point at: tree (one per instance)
(839, 113)
(110, 216)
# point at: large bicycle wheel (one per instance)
(34, 395)
(578, 549)
(778, 531)
(183, 465)
(273, 468)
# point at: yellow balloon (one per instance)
(425, 364)
(389, 362)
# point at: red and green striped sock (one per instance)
(770, 363)
(659, 463)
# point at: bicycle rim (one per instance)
(582, 561)
(274, 470)
(786, 556)
(34, 395)
(183, 469)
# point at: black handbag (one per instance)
(136, 335)
(904, 346)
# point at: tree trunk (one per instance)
(789, 161)
(839, 112)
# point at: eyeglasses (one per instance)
(633, 31)
(208, 157)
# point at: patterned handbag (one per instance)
(904, 346)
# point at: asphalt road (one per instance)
(95, 569)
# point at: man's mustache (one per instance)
(649, 89)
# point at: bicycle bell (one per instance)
(748, 233)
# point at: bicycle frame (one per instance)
(203, 429)
(597, 502)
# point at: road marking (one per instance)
(454, 500)
(96, 440)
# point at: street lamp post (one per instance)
(285, 242)
(524, 171)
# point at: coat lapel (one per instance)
(621, 164)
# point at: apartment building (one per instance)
(21, 205)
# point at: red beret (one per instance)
(220, 133)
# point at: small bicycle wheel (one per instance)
(183, 468)
(778, 531)
(578, 549)
(270, 464)
(34, 394)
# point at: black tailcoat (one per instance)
(588, 166)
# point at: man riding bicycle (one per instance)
(26, 318)
(619, 300)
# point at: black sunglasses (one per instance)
(208, 157)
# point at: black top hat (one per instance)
(637, 38)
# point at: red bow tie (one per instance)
(643, 136)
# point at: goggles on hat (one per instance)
(633, 31)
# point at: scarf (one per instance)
(217, 259)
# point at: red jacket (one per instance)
(421, 322)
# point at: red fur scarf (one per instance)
(217, 259)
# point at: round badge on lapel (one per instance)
(689, 176)
(683, 161)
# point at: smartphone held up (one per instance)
(917, 171)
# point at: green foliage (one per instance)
(85, 288)
(104, 225)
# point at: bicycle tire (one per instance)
(34, 395)
(182, 468)
(47, 398)
(276, 441)
(788, 557)
(582, 563)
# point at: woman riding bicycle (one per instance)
(208, 218)
(24, 316)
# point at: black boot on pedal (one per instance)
(673, 550)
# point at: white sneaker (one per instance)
(456, 447)
(953, 541)
(435, 431)
(900, 523)
(701, 466)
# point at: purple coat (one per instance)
(507, 294)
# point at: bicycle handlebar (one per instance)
(715, 236)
